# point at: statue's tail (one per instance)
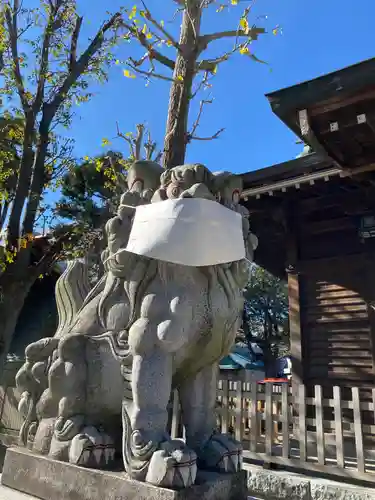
(71, 290)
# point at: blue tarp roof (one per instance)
(240, 357)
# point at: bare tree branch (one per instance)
(150, 73)
(53, 24)
(202, 104)
(74, 43)
(210, 64)
(138, 140)
(149, 147)
(161, 28)
(127, 139)
(11, 20)
(152, 52)
(191, 135)
(83, 62)
(251, 33)
(202, 83)
(210, 138)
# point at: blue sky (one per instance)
(317, 37)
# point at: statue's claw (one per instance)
(173, 466)
(221, 453)
(92, 448)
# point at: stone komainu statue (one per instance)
(102, 384)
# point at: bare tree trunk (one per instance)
(12, 299)
(179, 99)
(23, 183)
(15, 285)
(3, 213)
(37, 183)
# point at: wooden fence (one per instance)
(332, 435)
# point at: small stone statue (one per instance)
(102, 384)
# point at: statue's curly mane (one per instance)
(195, 173)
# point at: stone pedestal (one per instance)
(50, 479)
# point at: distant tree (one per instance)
(91, 192)
(266, 316)
(45, 68)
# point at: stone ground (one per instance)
(9, 494)
(6, 493)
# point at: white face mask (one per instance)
(187, 231)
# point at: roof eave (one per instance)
(285, 102)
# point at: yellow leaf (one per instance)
(86, 158)
(180, 78)
(149, 36)
(144, 29)
(128, 74)
(214, 71)
(117, 61)
(234, 2)
(133, 12)
(244, 24)
(244, 50)
(169, 43)
(105, 141)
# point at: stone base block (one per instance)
(48, 479)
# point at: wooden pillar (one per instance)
(292, 239)
(369, 280)
(295, 326)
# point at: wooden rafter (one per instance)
(310, 138)
(339, 102)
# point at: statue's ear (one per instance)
(227, 187)
(144, 175)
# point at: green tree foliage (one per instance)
(88, 190)
(266, 315)
(45, 68)
(11, 136)
(91, 192)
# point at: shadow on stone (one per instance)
(46, 479)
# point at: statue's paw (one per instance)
(67, 428)
(173, 466)
(221, 453)
(92, 448)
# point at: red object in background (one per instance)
(274, 380)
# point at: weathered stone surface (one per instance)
(330, 490)
(278, 485)
(51, 479)
(149, 325)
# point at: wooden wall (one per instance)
(337, 287)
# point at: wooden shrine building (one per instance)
(315, 220)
